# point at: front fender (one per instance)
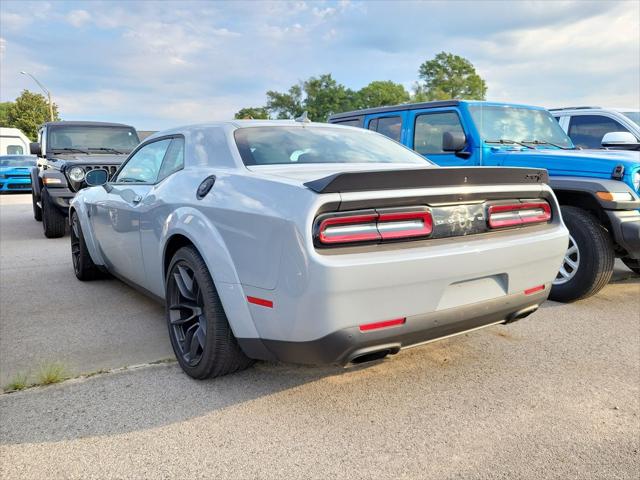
(82, 210)
(193, 225)
(593, 185)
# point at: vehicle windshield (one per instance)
(275, 145)
(517, 124)
(17, 161)
(634, 116)
(92, 139)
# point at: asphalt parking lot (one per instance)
(554, 396)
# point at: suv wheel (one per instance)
(83, 265)
(198, 327)
(633, 264)
(53, 221)
(37, 211)
(588, 263)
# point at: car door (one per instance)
(116, 221)
(426, 135)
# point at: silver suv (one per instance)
(596, 127)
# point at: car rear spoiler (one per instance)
(425, 177)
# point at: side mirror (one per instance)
(619, 139)
(35, 149)
(96, 177)
(453, 142)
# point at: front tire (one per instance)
(200, 334)
(83, 265)
(632, 264)
(53, 222)
(588, 264)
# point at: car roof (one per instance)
(84, 123)
(235, 124)
(424, 105)
(581, 109)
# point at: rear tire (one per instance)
(632, 264)
(595, 258)
(53, 222)
(37, 211)
(200, 334)
(83, 265)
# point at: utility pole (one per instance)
(44, 90)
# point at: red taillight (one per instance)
(515, 214)
(353, 228)
(405, 224)
(375, 226)
(387, 323)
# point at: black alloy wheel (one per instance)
(200, 333)
(186, 316)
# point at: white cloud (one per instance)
(78, 18)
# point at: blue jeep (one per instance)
(598, 190)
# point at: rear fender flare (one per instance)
(206, 238)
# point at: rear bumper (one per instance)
(346, 345)
(625, 226)
(462, 281)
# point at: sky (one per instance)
(156, 65)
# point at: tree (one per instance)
(381, 93)
(285, 105)
(318, 96)
(28, 112)
(4, 112)
(252, 113)
(450, 76)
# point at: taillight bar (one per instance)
(375, 226)
(516, 214)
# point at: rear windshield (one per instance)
(92, 139)
(297, 145)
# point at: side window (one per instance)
(429, 128)
(355, 122)
(144, 166)
(15, 150)
(389, 126)
(173, 159)
(587, 131)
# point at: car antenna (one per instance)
(304, 118)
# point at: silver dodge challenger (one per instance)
(314, 243)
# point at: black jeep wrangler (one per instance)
(66, 152)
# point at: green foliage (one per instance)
(28, 112)
(446, 76)
(4, 113)
(252, 113)
(18, 382)
(450, 76)
(52, 372)
(318, 96)
(381, 93)
(285, 105)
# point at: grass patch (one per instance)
(18, 382)
(52, 372)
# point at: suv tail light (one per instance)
(516, 214)
(374, 226)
